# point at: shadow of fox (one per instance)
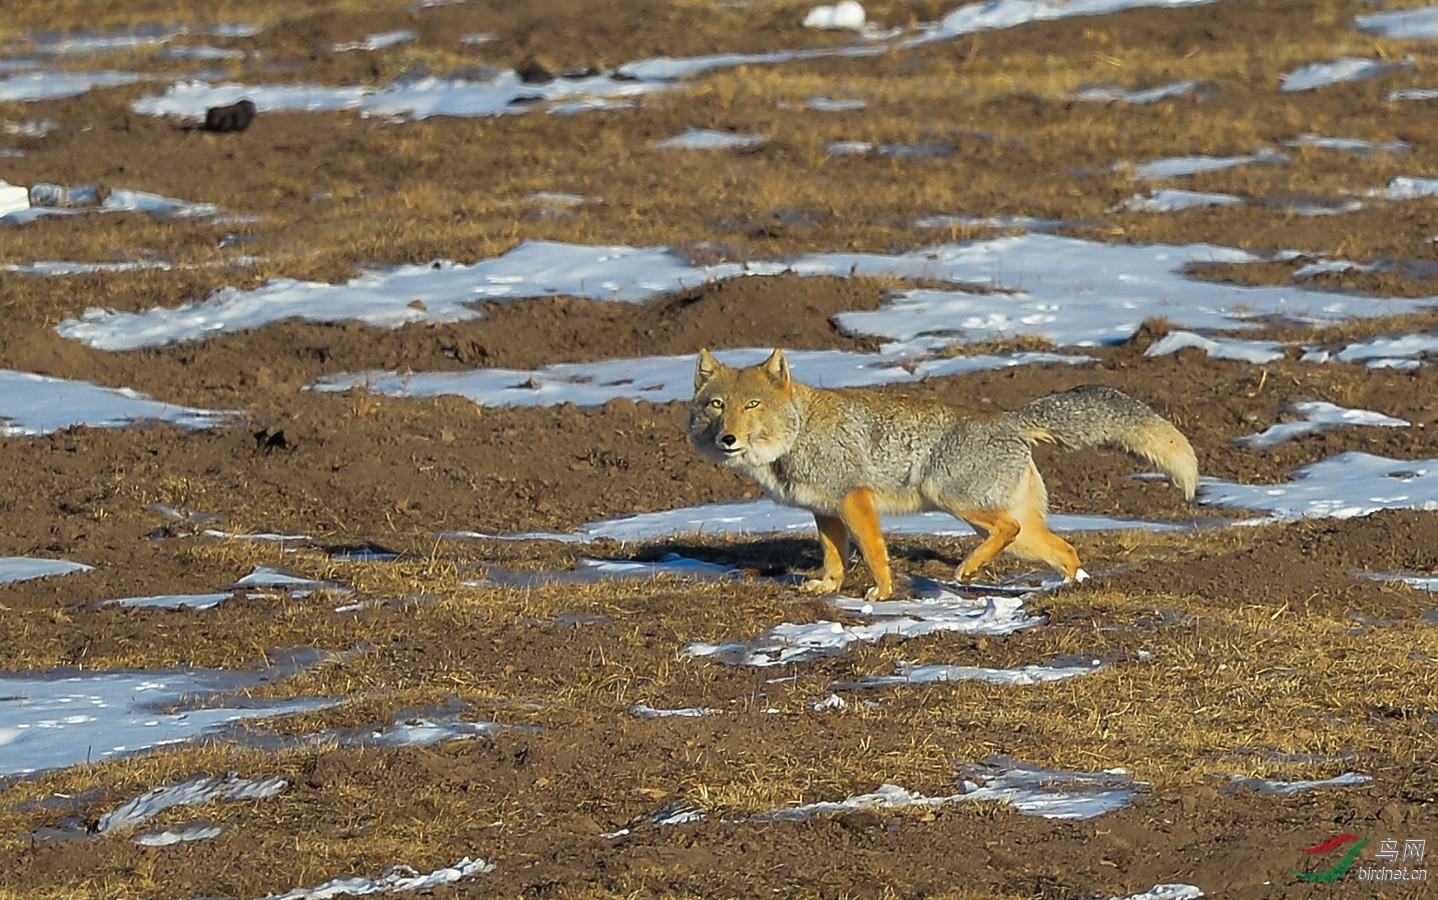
(847, 455)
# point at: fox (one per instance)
(848, 454)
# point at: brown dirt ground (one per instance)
(359, 468)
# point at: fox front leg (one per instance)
(834, 539)
(861, 517)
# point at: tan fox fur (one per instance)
(848, 455)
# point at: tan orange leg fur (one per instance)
(834, 539)
(1036, 542)
(861, 518)
(999, 530)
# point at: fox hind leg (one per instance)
(834, 539)
(861, 518)
(999, 530)
(1036, 542)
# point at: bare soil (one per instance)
(356, 468)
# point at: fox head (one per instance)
(743, 417)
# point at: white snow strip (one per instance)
(38, 404)
(192, 831)
(58, 200)
(1108, 93)
(593, 571)
(1403, 24)
(1167, 892)
(1318, 415)
(834, 104)
(1327, 267)
(937, 609)
(767, 517)
(1324, 74)
(378, 41)
(708, 139)
(1174, 200)
(1421, 582)
(1413, 94)
(63, 268)
(276, 578)
(24, 568)
(1072, 291)
(885, 796)
(196, 791)
(1182, 166)
(660, 379)
(396, 879)
(408, 99)
(64, 718)
(26, 87)
(991, 14)
(1257, 352)
(847, 15)
(1349, 145)
(1345, 486)
(1405, 351)
(1405, 187)
(645, 711)
(13, 198)
(171, 601)
(1049, 793)
(1288, 788)
(1020, 676)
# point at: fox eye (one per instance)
(752, 404)
(716, 403)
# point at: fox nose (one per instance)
(728, 440)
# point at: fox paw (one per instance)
(875, 593)
(821, 585)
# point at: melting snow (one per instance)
(645, 711)
(1072, 291)
(1318, 415)
(66, 717)
(1180, 166)
(25, 87)
(1287, 788)
(1257, 352)
(196, 791)
(1167, 892)
(396, 879)
(1401, 24)
(766, 516)
(908, 673)
(32, 405)
(937, 609)
(1107, 93)
(659, 379)
(708, 139)
(592, 571)
(1403, 352)
(1173, 200)
(1323, 74)
(1341, 487)
(24, 568)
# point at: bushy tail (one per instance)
(1093, 415)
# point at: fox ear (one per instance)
(705, 368)
(777, 368)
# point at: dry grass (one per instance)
(1180, 707)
